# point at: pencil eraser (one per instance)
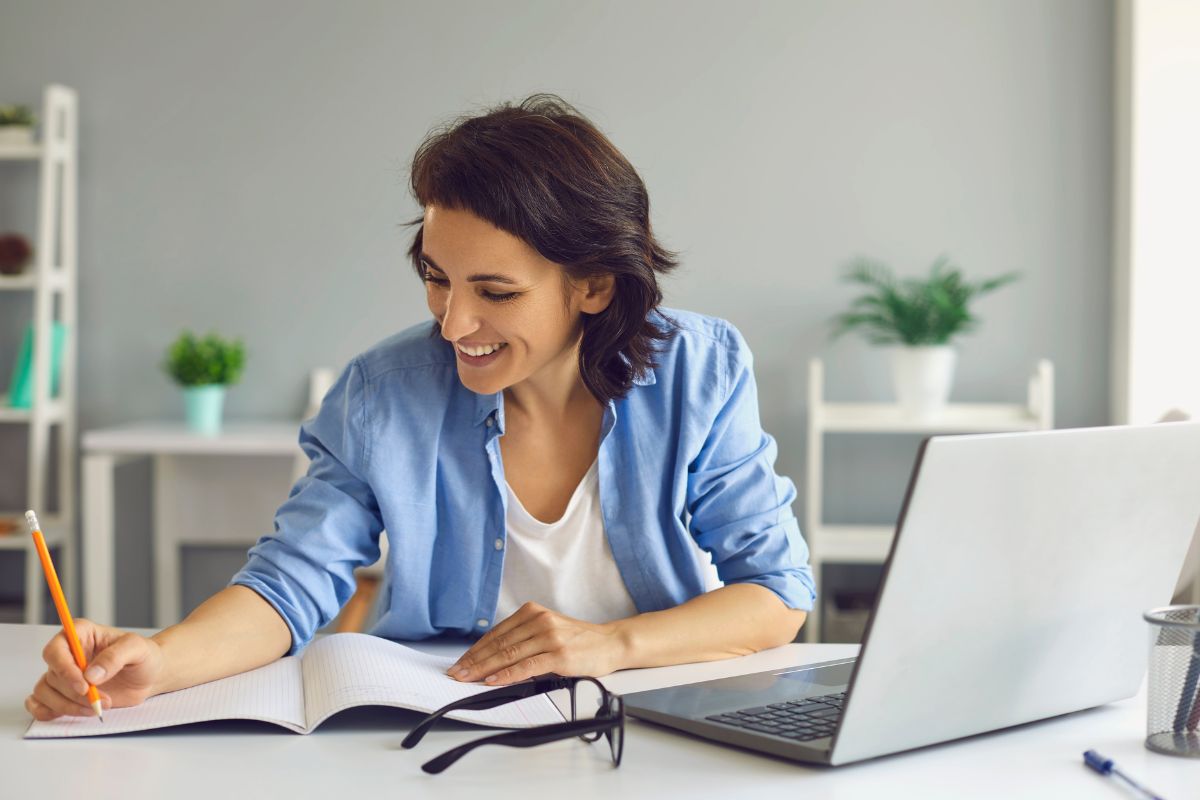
(31, 520)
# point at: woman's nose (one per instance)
(459, 318)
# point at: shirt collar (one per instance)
(488, 404)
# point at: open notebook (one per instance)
(334, 673)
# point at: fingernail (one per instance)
(489, 679)
(94, 673)
(462, 673)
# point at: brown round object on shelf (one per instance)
(8, 525)
(15, 252)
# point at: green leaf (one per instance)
(193, 361)
(914, 311)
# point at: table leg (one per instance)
(168, 575)
(99, 576)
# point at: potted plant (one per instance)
(16, 125)
(205, 367)
(15, 252)
(917, 317)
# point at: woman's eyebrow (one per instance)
(478, 277)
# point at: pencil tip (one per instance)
(99, 709)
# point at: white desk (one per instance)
(209, 490)
(358, 755)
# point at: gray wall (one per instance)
(243, 167)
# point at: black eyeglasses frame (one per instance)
(608, 722)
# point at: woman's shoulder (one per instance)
(700, 337)
(416, 348)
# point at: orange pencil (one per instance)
(60, 602)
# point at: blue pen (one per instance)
(1105, 767)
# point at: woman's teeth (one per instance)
(482, 350)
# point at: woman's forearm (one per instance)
(735, 620)
(233, 631)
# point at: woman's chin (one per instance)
(478, 383)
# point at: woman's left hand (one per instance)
(535, 641)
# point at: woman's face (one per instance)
(510, 313)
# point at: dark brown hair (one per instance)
(544, 173)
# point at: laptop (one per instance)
(1013, 592)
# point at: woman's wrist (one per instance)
(626, 651)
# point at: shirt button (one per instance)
(483, 623)
(489, 422)
(499, 544)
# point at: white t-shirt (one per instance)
(567, 565)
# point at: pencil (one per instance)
(64, 613)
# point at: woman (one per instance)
(545, 460)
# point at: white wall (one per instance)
(243, 167)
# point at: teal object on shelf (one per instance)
(20, 388)
(204, 405)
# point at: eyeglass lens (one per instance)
(587, 700)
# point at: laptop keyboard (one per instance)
(801, 720)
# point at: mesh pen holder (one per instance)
(1173, 715)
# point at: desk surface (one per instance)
(272, 437)
(358, 754)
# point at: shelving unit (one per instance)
(52, 286)
(869, 544)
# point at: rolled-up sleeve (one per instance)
(330, 523)
(741, 511)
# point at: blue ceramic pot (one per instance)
(204, 406)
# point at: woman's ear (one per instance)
(597, 293)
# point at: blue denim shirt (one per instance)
(400, 444)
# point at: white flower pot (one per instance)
(922, 377)
(16, 135)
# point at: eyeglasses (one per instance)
(609, 720)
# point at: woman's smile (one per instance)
(479, 355)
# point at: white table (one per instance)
(208, 490)
(358, 754)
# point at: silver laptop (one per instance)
(1013, 592)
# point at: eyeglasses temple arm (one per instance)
(529, 737)
(482, 702)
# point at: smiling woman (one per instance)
(548, 458)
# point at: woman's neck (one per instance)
(556, 394)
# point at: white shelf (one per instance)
(55, 411)
(853, 544)
(51, 285)
(20, 152)
(870, 544)
(28, 281)
(955, 418)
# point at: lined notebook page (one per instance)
(354, 669)
(273, 693)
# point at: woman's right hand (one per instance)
(124, 667)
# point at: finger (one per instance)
(505, 649)
(48, 696)
(516, 619)
(538, 664)
(128, 649)
(39, 711)
(70, 688)
(58, 658)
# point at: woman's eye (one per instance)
(495, 297)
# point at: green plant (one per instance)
(16, 115)
(912, 311)
(193, 361)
